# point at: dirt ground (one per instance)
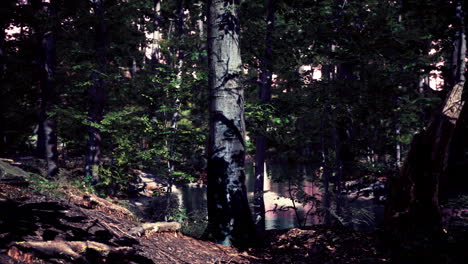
(28, 217)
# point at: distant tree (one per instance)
(265, 97)
(229, 217)
(6, 13)
(47, 84)
(96, 93)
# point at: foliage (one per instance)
(372, 56)
(194, 224)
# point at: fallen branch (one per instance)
(148, 228)
(74, 250)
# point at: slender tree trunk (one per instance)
(327, 76)
(397, 145)
(202, 58)
(2, 52)
(200, 23)
(325, 171)
(47, 84)
(265, 96)
(413, 212)
(96, 95)
(180, 31)
(459, 48)
(337, 144)
(155, 45)
(3, 139)
(229, 217)
(175, 116)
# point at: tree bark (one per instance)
(2, 52)
(47, 84)
(265, 97)
(412, 212)
(96, 96)
(229, 217)
(325, 170)
(155, 44)
(459, 48)
(3, 139)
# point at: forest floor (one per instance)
(59, 223)
(27, 218)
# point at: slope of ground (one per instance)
(38, 218)
(74, 219)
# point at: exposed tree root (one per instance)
(73, 250)
(91, 201)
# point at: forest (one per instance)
(233, 131)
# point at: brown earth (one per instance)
(87, 220)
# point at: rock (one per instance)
(12, 175)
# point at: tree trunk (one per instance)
(229, 217)
(459, 49)
(2, 51)
(265, 96)
(337, 144)
(155, 44)
(200, 23)
(413, 212)
(96, 96)
(325, 170)
(47, 84)
(3, 139)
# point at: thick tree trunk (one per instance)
(265, 96)
(96, 96)
(48, 140)
(413, 212)
(229, 217)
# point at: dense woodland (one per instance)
(341, 92)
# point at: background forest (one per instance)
(336, 90)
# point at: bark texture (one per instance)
(96, 96)
(228, 209)
(265, 97)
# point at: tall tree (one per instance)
(229, 217)
(413, 211)
(47, 84)
(6, 11)
(265, 96)
(96, 94)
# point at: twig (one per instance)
(107, 226)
